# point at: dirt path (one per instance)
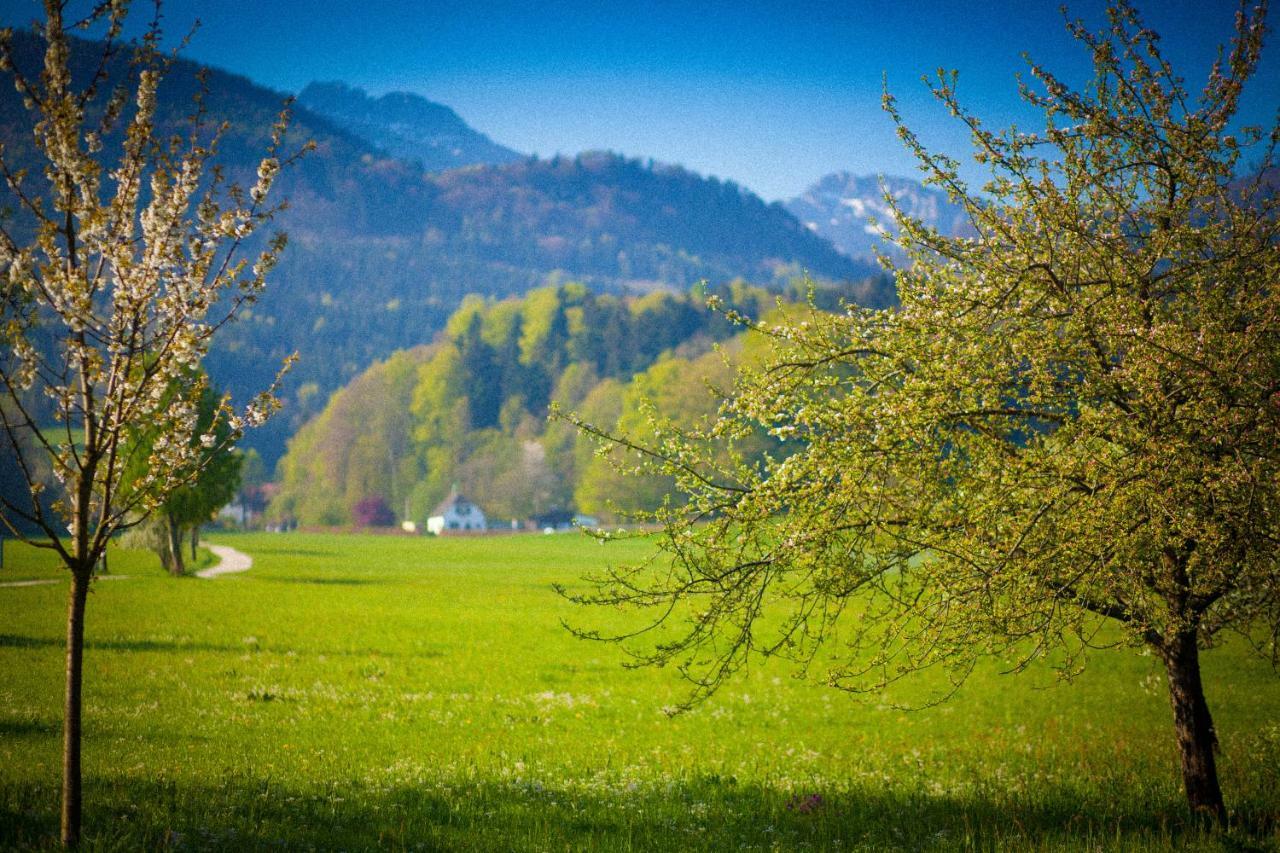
(31, 583)
(229, 562)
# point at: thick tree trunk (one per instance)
(1197, 740)
(71, 712)
(176, 567)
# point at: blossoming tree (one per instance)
(1067, 434)
(117, 269)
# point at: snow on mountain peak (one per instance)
(851, 211)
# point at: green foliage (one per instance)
(359, 446)
(219, 470)
(1071, 420)
(422, 692)
(213, 484)
(471, 410)
(672, 394)
(593, 486)
(253, 472)
(427, 243)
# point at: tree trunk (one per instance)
(71, 712)
(195, 542)
(177, 567)
(1197, 740)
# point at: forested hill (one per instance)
(382, 251)
(344, 298)
(470, 410)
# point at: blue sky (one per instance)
(770, 94)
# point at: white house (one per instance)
(456, 513)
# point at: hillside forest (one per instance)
(470, 410)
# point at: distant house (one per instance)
(456, 513)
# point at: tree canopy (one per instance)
(210, 485)
(470, 409)
(1071, 421)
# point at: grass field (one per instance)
(411, 693)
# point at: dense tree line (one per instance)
(471, 409)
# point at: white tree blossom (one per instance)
(120, 263)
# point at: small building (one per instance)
(454, 514)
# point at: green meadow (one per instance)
(358, 692)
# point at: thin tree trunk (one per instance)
(1197, 740)
(177, 567)
(71, 798)
(195, 542)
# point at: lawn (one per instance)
(355, 692)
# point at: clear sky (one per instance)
(772, 95)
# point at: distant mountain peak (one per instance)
(405, 125)
(842, 206)
(394, 107)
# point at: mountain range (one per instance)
(402, 210)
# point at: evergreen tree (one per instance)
(484, 378)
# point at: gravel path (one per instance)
(229, 562)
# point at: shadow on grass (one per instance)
(28, 728)
(325, 581)
(303, 552)
(18, 641)
(701, 814)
